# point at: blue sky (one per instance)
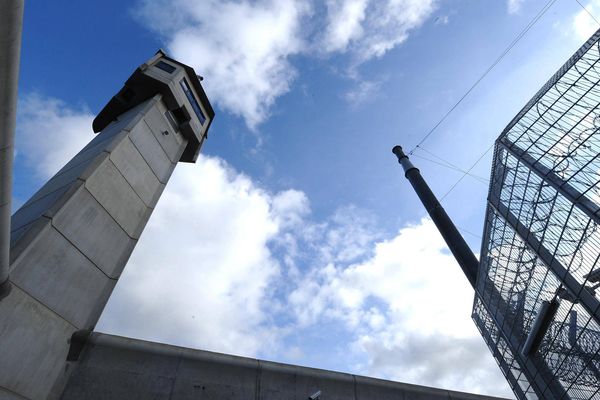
(296, 237)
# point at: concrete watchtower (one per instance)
(72, 239)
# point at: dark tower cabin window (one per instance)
(188, 92)
(165, 67)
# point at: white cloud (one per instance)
(344, 23)
(362, 92)
(242, 48)
(583, 24)
(407, 308)
(367, 29)
(346, 236)
(416, 259)
(245, 49)
(49, 132)
(201, 274)
(514, 6)
(371, 28)
(438, 360)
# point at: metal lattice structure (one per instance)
(541, 240)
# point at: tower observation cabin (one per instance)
(187, 108)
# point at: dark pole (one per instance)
(459, 248)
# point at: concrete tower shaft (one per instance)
(71, 241)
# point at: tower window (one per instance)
(171, 120)
(190, 95)
(165, 67)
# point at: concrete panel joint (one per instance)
(77, 342)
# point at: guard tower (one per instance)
(72, 239)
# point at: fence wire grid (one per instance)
(541, 239)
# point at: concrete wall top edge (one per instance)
(112, 341)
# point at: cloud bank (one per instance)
(369, 29)
(247, 49)
(583, 24)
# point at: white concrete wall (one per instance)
(117, 368)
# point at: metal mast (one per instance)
(457, 245)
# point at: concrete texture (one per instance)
(112, 367)
(6, 395)
(33, 210)
(33, 345)
(112, 191)
(138, 174)
(96, 234)
(152, 152)
(62, 278)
